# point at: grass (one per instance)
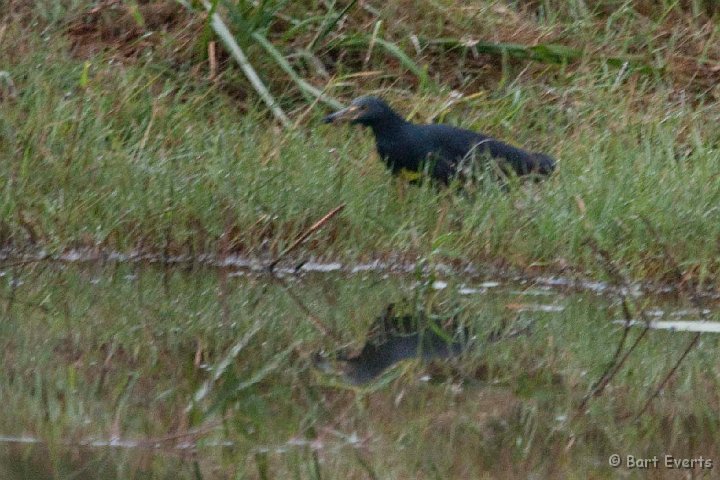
(150, 155)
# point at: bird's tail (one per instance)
(544, 164)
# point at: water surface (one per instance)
(132, 371)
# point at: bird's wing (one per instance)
(457, 144)
(450, 142)
(449, 147)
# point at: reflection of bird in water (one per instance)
(392, 338)
(442, 150)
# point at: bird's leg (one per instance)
(400, 185)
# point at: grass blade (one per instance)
(287, 68)
(329, 26)
(237, 53)
(548, 53)
(394, 50)
(219, 370)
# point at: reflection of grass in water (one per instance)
(89, 353)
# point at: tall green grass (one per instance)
(151, 154)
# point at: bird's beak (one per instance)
(345, 115)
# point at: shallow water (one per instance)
(123, 370)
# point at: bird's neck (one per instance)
(388, 127)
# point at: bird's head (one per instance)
(366, 111)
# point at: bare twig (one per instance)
(316, 322)
(316, 226)
(658, 389)
(614, 366)
(212, 59)
(619, 358)
(694, 298)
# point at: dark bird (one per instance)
(443, 151)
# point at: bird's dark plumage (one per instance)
(442, 149)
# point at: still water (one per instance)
(123, 370)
